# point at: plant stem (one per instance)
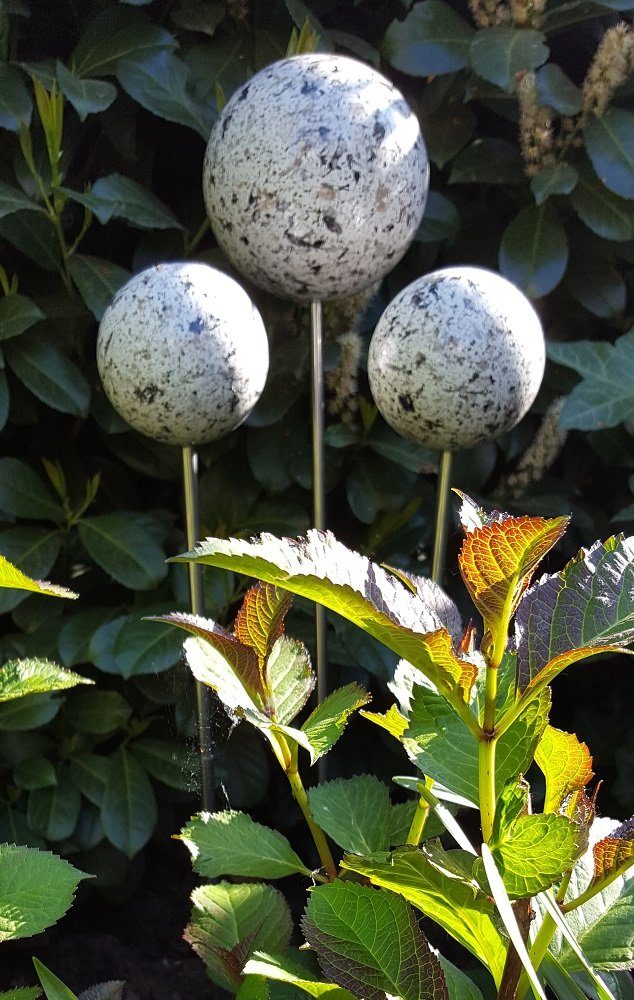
(290, 753)
(190, 245)
(486, 753)
(420, 818)
(513, 965)
(540, 946)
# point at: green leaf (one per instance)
(32, 551)
(17, 314)
(86, 96)
(355, 588)
(431, 881)
(555, 90)
(566, 764)
(15, 103)
(123, 547)
(610, 146)
(112, 35)
(432, 39)
(36, 889)
(118, 197)
(598, 286)
(54, 988)
(166, 761)
(141, 648)
(326, 723)
(90, 772)
(487, 161)
(75, 636)
(553, 180)
(13, 200)
(51, 376)
(231, 843)
(355, 812)
(282, 969)
(499, 54)
(32, 233)
(53, 812)
(229, 922)
(289, 678)
(28, 713)
(22, 677)
(4, 400)
(371, 943)
(441, 220)
(97, 281)
(459, 985)
(605, 396)
(33, 773)
(97, 713)
(534, 251)
(226, 666)
(534, 852)
(160, 82)
(603, 212)
(22, 993)
(128, 809)
(445, 136)
(24, 494)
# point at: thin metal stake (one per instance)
(442, 505)
(204, 702)
(319, 491)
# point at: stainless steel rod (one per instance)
(319, 491)
(204, 703)
(442, 506)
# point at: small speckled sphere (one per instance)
(315, 177)
(182, 353)
(456, 358)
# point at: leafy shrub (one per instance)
(472, 721)
(105, 115)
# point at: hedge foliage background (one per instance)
(105, 109)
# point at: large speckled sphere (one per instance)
(315, 177)
(457, 358)
(182, 353)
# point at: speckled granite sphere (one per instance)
(315, 177)
(182, 353)
(456, 358)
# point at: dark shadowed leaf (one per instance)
(97, 713)
(13, 200)
(605, 396)
(128, 809)
(553, 180)
(97, 280)
(370, 942)
(610, 146)
(24, 714)
(487, 161)
(441, 220)
(120, 197)
(499, 54)
(89, 772)
(556, 90)
(34, 772)
(36, 889)
(165, 761)
(112, 35)
(432, 39)
(53, 812)
(86, 96)
(33, 551)
(534, 250)
(159, 82)
(17, 314)
(15, 103)
(603, 212)
(25, 494)
(49, 374)
(124, 549)
(598, 286)
(355, 812)
(231, 843)
(230, 921)
(32, 233)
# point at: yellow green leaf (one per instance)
(566, 763)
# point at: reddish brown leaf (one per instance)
(260, 620)
(614, 854)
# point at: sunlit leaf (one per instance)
(289, 679)
(566, 763)
(326, 723)
(432, 38)
(500, 54)
(534, 852)
(231, 843)
(260, 620)
(285, 969)
(371, 943)
(355, 812)
(614, 854)
(36, 889)
(34, 676)
(355, 588)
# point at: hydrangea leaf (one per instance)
(614, 854)
(566, 764)
(11, 576)
(229, 922)
(497, 561)
(371, 943)
(433, 596)
(324, 726)
(111, 990)
(54, 988)
(284, 969)
(586, 608)
(324, 570)
(289, 679)
(231, 843)
(36, 889)
(260, 620)
(355, 812)
(392, 721)
(431, 881)
(22, 993)
(34, 676)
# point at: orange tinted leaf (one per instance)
(614, 854)
(566, 763)
(498, 559)
(260, 620)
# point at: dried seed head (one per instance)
(542, 451)
(611, 65)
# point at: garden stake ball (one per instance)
(456, 359)
(315, 181)
(183, 357)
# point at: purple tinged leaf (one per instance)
(433, 597)
(589, 604)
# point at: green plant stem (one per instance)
(289, 753)
(190, 245)
(592, 890)
(539, 948)
(486, 752)
(417, 827)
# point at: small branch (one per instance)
(290, 753)
(513, 965)
(419, 820)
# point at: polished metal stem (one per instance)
(204, 703)
(442, 506)
(319, 490)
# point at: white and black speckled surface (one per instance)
(456, 358)
(182, 353)
(315, 177)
